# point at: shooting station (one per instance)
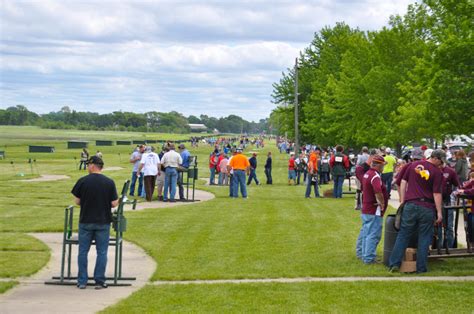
(440, 249)
(2, 154)
(124, 142)
(151, 141)
(139, 142)
(119, 223)
(77, 144)
(190, 179)
(104, 143)
(40, 149)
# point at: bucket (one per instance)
(391, 237)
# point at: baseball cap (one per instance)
(439, 154)
(181, 146)
(377, 159)
(96, 161)
(373, 152)
(417, 154)
(388, 150)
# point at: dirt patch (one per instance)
(48, 177)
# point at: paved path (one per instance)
(33, 296)
(199, 196)
(313, 279)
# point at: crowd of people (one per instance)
(163, 171)
(425, 180)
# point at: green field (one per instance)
(275, 233)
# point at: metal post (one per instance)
(297, 145)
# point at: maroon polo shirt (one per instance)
(371, 185)
(401, 173)
(423, 180)
(360, 171)
(450, 179)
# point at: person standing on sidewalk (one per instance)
(97, 195)
(170, 161)
(268, 168)
(421, 194)
(186, 157)
(150, 165)
(374, 204)
(135, 159)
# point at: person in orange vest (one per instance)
(312, 177)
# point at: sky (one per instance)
(196, 57)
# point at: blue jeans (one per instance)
(309, 183)
(212, 177)
(100, 233)
(171, 177)
(268, 174)
(231, 185)
(448, 221)
(252, 176)
(292, 175)
(239, 180)
(387, 181)
(132, 184)
(337, 190)
(359, 242)
(371, 233)
(415, 219)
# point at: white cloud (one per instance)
(212, 56)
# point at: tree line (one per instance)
(153, 121)
(409, 82)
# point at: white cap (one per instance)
(427, 153)
(388, 150)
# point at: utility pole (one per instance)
(297, 145)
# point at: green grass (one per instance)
(335, 297)
(21, 255)
(7, 285)
(275, 233)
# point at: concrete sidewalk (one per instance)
(33, 296)
(199, 196)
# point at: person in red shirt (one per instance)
(421, 194)
(291, 169)
(374, 204)
(213, 159)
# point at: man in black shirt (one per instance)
(96, 194)
(253, 169)
(268, 168)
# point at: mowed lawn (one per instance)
(275, 233)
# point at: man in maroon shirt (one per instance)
(421, 198)
(417, 154)
(374, 204)
(359, 172)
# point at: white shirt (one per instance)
(171, 159)
(150, 162)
